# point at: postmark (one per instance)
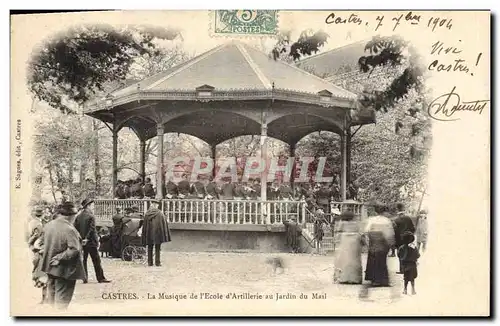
(244, 22)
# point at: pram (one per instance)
(133, 250)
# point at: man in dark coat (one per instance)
(402, 224)
(155, 231)
(62, 256)
(85, 225)
(293, 232)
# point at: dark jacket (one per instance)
(85, 225)
(402, 224)
(184, 187)
(213, 190)
(198, 189)
(155, 228)
(149, 190)
(62, 240)
(171, 189)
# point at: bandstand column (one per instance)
(292, 154)
(263, 157)
(114, 178)
(142, 147)
(159, 162)
(348, 159)
(343, 160)
(213, 152)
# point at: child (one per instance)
(408, 255)
(105, 242)
(318, 228)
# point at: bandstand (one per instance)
(230, 91)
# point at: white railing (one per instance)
(222, 211)
(209, 211)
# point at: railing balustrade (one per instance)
(218, 211)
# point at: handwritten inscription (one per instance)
(392, 21)
(456, 64)
(352, 19)
(444, 107)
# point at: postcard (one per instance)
(250, 163)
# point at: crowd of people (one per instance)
(384, 234)
(62, 240)
(206, 187)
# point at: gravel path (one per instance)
(220, 274)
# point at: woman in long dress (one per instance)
(348, 256)
(380, 233)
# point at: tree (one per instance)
(71, 67)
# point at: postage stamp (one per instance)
(335, 165)
(245, 22)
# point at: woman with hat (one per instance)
(348, 255)
(380, 234)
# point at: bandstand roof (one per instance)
(221, 94)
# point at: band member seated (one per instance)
(136, 190)
(198, 188)
(285, 191)
(148, 189)
(183, 187)
(120, 190)
(212, 189)
(171, 190)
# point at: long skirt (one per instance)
(348, 260)
(116, 243)
(376, 264)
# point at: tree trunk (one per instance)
(71, 167)
(51, 177)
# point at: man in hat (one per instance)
(62, 257)
(293, 232)
(155, 231)
(85, 225)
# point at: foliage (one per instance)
(390, 51)
(71, 67)
(308, 43)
